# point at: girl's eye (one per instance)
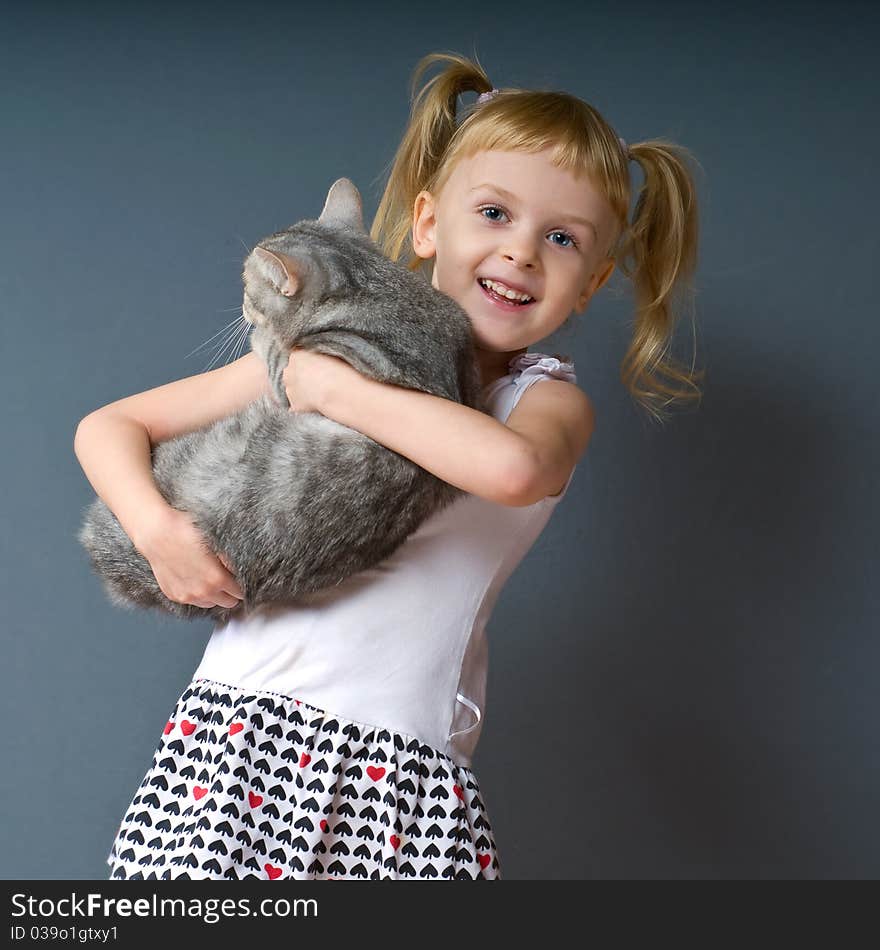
(574, 243)
(492, 208)
(570, 237)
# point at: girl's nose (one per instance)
(520, 251)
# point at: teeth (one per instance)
(504, 291)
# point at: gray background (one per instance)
(683, 668)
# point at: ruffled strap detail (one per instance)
(540, 364)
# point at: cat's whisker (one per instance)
(231, 322)
(228, 333)
(224, 346)
(236, 347)
(217, 359)
(221, 330)
(239, 345)
(244, 337)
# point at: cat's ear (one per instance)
(343, 207)
(285, 272)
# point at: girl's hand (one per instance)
(310, 377)
(186, 569)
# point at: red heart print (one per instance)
(458, 791)
(296, 701)
(187, 727)
(168, 727)
(272, 871)
(304, 759)
(254, 799)
(395, 842)
(484, 859)
(235, 727)
(325, 825)
(375, 773)
(198, 791)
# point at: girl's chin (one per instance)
(492, 341)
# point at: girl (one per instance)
(334, 738)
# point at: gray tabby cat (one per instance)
(295, 501)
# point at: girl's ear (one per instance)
(606, 273)
(593, 286)
(424, 225)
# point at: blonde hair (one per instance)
(657, 250)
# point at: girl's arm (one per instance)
(467, 448)
(113, 443)
(514, 464)
(114, 452)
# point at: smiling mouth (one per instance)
(505, 303)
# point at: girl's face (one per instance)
(517, 219)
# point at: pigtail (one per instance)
(658, 252)
(431, 126)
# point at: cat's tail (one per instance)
(126, 574)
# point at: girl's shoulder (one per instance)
(550, 417)
(533, 364)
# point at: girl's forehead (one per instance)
(529, 175)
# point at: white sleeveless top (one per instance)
(402, 645)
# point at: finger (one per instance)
(231, 586)
(218, 600)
